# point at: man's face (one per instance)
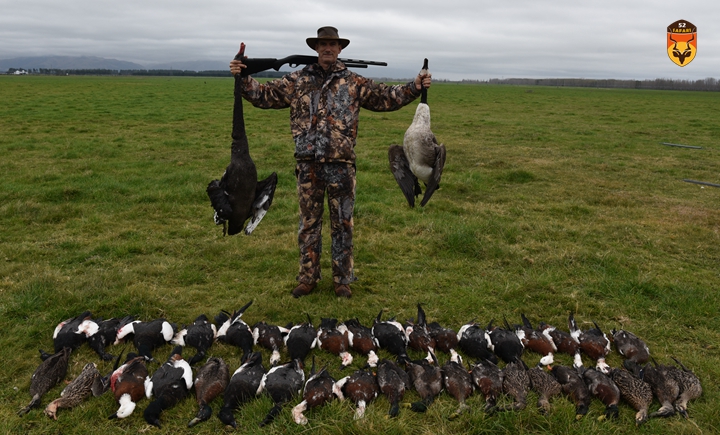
(328, 52)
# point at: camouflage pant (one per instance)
(313, 180)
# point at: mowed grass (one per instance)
(553, 200)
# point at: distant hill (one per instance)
(93, 62)
(66, 62)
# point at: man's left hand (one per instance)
(423, 80)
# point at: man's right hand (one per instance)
(236, 67)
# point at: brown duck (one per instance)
(76, 391)
(210, 382)
(48, 374)
(545, 385)
(630, 346)
(458, 382)
(319, 389)
(488, 378)
(634, 391)
(690, 387)
(574, 386)
(605, 389)
(516, 383)
(362, 388)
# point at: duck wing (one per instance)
(400, 168)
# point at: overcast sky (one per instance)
(464, 39)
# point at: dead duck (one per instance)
(200, 335)
(319, 389)
(105, 335)
(147, 336)
(690, 387)
(243, 387)
(664, 386)
(76, 391)
(282, 383)
(418, 335)
(210, 381)
(420, 157)
(127, 383)
(72, 332)
(605, 389)
(506, 344)
(488, 378)
(593, 343)
(634, 391)
(445, 339)
(458, 382)
(630, 346)
(536, 340)
(361, 388)
(300, 340)
(270, 337)
(239, 195)
(361, 340)
(170, 384)
(564, 342)
(234, 331)
(426, 377)
(475, 342)
(48, 374)
(333, 338)
(573, 386)
(390, 335)
(516, 383)
(545, 385)
(393, 382)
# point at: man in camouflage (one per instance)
(325, 100)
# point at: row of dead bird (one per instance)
(637, 383)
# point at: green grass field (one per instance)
(553, 200)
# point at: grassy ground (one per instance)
(553, 200)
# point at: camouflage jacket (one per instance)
(325, 107)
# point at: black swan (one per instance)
(238, 195)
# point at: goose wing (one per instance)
(400, 168)
(437, 169)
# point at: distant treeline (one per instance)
(707, 84)
(137, 72)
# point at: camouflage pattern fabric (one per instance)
(325, 107)
(338, 180)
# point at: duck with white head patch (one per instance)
(127, 383)
(458, 382)
(200, 335)
(147, 336)
(242, 388)
(234, 331)
(282, 383)
(169, 385)
(271, 337)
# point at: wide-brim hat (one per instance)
(327, 33)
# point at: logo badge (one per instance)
(681, 42)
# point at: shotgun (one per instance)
(256, 65)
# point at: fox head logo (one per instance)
(681, 42)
